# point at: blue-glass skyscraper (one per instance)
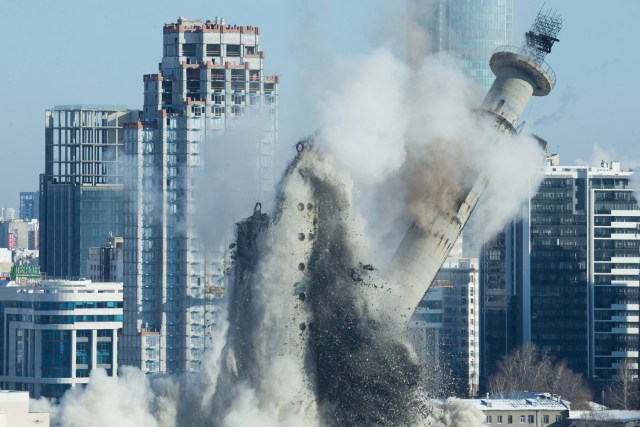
(469, 30)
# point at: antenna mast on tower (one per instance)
(540, 38)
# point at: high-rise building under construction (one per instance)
(210, 74)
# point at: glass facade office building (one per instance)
(614, 271)
(81, 191)
(558, 269)
(56, 332)
(476, 30)
(469, 30)
(569, 271)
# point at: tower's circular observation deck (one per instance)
(541, 74)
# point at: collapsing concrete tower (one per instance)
(305, 308)
(520, 73)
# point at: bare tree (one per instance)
(529, 368)
(624, 393)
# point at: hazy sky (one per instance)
(78, 51)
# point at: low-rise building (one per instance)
(539, 410)
(54, 333)
(14, 411)
(604, 418)
(6, 261)
(19, 234)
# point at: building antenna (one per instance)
(539, 40)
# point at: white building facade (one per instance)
(56, 332)
(14, 411)
(538, 409)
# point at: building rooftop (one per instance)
(98, 107)
(86, 287)
(13, 396)
(198, 25)
(536, 401)
(605, 168)
(608, 415)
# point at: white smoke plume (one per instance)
(128, 400)
(268, 407)
(412, 141)
(421, 16)
(228, 187)
(568, 98)
(456, 413)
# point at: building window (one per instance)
(558, 418)
(545, 419)
(522, 418)
(509, 419)
(213, 49)
(233, 50)
(489, 419)
(531, 421)
(499, 419)
(238, 98)
(189, 49)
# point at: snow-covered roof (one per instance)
(608, 415)
(538, 401)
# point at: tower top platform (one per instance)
(541, 74)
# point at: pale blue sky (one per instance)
(79, 51)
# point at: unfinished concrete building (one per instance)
(211, 73)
